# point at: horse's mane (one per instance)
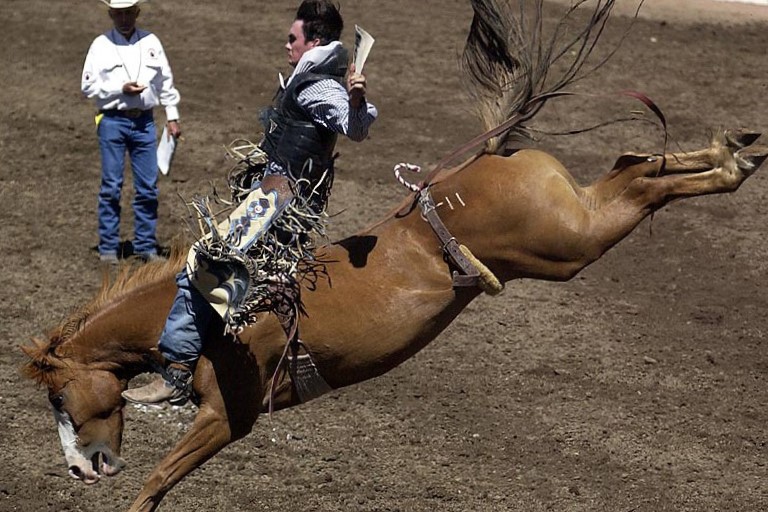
(42, 354)
(508, 60)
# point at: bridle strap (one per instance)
(469, 275)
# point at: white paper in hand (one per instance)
(363, 43)
(165, 150)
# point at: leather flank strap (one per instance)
(469, 275)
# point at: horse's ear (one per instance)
(39, 363)
(34, 351)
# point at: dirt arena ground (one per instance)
(640, 385)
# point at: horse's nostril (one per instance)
(75, 472)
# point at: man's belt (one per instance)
(131, 113)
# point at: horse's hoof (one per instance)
(741, 138)
(750, 159)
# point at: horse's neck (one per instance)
(126, 329)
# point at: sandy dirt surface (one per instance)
(640, 385)
(727, 12)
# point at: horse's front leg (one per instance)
(230, 389)
(209, 433)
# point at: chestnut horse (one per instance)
(522, 216)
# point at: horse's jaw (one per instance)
(83, 461)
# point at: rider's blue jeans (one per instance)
(137, 137)
(182, 337)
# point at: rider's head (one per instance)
(322, 20)
(317, 23)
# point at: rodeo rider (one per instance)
(310, 109)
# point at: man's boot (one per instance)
(173, 385)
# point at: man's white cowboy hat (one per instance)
(122, 4)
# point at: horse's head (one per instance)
(88, 360)
(87, 406)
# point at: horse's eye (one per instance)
(57, 401)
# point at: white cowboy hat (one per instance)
(122, 4)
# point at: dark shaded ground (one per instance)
(638, 386)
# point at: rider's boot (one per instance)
(173, 385)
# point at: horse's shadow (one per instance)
(358, 248)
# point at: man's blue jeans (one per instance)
(186, 325)
(137, 136)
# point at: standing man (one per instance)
(311, 108)
(127, 73)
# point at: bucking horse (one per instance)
(386, 292)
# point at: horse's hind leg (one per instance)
(644, 195)
(724, 146)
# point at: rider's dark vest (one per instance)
(291, 139)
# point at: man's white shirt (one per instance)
(113, 61)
